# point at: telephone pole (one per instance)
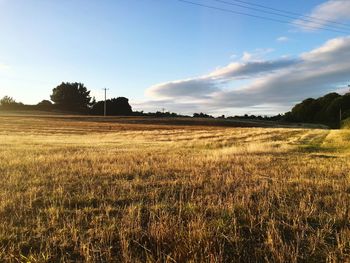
(105, 105)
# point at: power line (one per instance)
(260, 17)
(298, 17)
(292, 13)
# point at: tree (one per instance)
(116, 106)
(44, 105)
(323, 103)
(9, 103)
(71, 96)
(324, 110)
(6, 100)
(201, 115)
(333, 111)
(306, 110)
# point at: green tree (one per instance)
(115, 106)
(6, 100)
(333, 110)
(341, 103)
(44, 105)
(71, 96)
(346, 104)
(324, 103)
(8, 103)
(305, 111)
(322, 110)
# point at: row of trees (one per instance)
(72, 97)
(327, 110)
(75, 97)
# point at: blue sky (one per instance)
(168, 54)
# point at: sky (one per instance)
(174, 55)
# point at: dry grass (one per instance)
(87, 191)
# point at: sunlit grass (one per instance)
(111, 192)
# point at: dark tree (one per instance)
(324, 110)
(6, 100)
(71, 96)
(306, 111)
(323, 103)
(333, 110)
(346, 106)
(8, 103)
(115, 107)
(44, 105)
(201, 115)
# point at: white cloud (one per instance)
(188, 88)
(282, 39)
(278, 83)
(201, 87)
(256, 55)
(247, 56)
(326, 14)
(239, 70)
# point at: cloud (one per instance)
(188, 88)
(277, 83)
(201, 87)
(319, 71)
(326, 14)
(282, 39)
(252, 69)
(256, 55)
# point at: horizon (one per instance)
(94, 102)
(204, 60)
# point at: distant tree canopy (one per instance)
(201, 115)
(115, 107)
(8, 103)
(324, 110)
(71, 96)
(6, 100)
(44, 105)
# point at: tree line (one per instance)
(75, 98)
(330, 110)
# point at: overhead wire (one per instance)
(292, 13)
(263, 17)
(297, 17)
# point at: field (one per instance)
(109, 190)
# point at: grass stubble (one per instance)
(87, 192)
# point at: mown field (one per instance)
(82, 190)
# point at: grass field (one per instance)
(83, 190)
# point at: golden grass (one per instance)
(87, 191)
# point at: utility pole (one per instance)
(105, 105)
